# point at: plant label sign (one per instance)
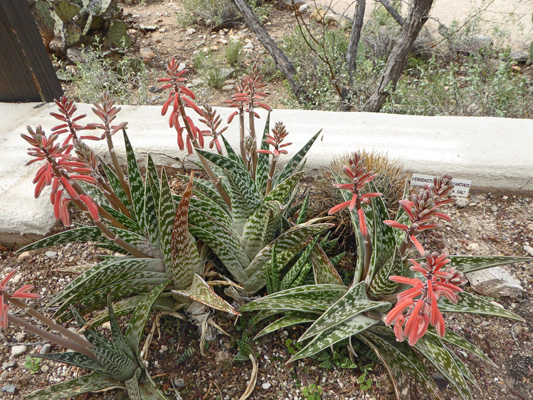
(460, 189)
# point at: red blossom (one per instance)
(418, 305)
(279, 133)
(360, 177)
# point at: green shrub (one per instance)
(233, 52)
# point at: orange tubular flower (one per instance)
(418, 305)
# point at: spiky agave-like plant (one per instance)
(386, 291)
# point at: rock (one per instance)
(45, 349)
(520, 57)
(9, 364)
(45, 368)
(530, 227)
(196, 82)
(222, 357)
(19, 336)
(461, 202)
(494, 209)
(163, 30)
(214, 48)
(149, 28)
(181, 67)
(479, 43)
(4, 375)
(18, 350)
(191, 31)
(248, 46)
(473, 247)
(23, 255)
(50, 254)
(303, 8)
(495, 282)
(11, 389)
(146, 54)
(16, 279)
(179, 382)
(227, 88)
(266, 385)
(318, 15)
(529, 250)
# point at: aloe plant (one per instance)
(138, 219)
(379, 295)
(240, 211)
(114, 363)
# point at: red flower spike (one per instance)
(6, 279)
(3, 313)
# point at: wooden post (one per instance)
(26, 72)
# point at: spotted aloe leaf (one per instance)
(290, 241)
(134, 330)
(135, 182)
(464, 370)
(467, 264)
(129, 223)
(244, 195)
(108, 271)
(149, 390)
(329, 337)
(185, 258)
(116, 186)
(323, 268)
(204, 188)
(151, 205)
(82, 234)
(284, 189)
(75, 359)
(457, 340)
(402, 217)
(469, 303)
(165, 218)
(117, 363)
(400, 361)
(132, 386)
(201, 292)
(116, 332)
(433, 349)
(292, 165)
(231, 153)
(381, 284)
(384, 242)
(74, 387)
(258, 230)
(262, 161)
(352, 303)
(297, 269)
(290, 319)
(309, 298)
(272, 273)
(226, 247)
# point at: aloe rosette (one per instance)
(140, 220)
(391, 297)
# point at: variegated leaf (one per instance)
(82, 234)
(94, 193)
(402, 217)
(231, 153)
(290, 319)
(383, 242)
(469, 303)
(111, 270)
(256, 233)
(74, 387)
(124, 220)
(132, 386)
(138, 241)
(323, 269)
(149, 391)
(135, 328)
(272, 273)
(467, 264)
(283, 189)
(117, 363)
(205, 214)
(116, 333)
(291, 166)
(116, 186)
(304, 208)
(185, 257)
(208, 189)
(151, 205)
(309, 298)
(381, 284)
(166, 214)
(329, 337)
(464, 370)
(286, 241)
(201, 292)
(91, 334)
(459, 341)
(296, 269)
(151, 171)
(74, 358)
(352, 303)
(261, 175)
(226, 247)
(400, 359)
(302, 276)
(262, 315)
(135, 182)
(433, 349)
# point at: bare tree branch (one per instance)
(392, 11)
(355, 36)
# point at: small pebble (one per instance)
(45, 368)
(4, 375)
(9, 364)
(45, 349)
(266, 385)
(11, 389)
(18, 350)
(19, 336)
(50, 254)
(179, 382)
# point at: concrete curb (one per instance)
(495, 153)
